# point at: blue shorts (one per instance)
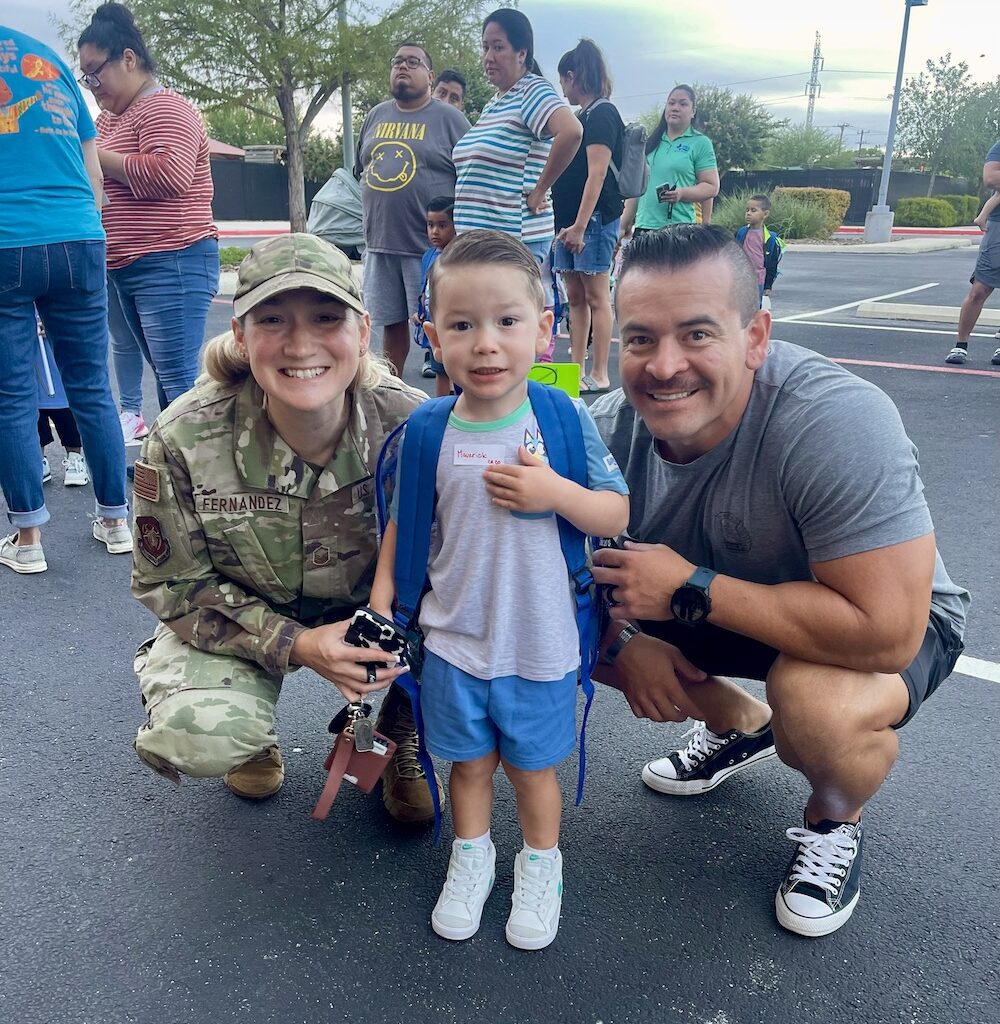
(599, 242)
(532, 724)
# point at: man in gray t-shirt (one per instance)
(778, 532)
(403, 160)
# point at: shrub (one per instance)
(231, 256)
(833, 201)
(790, 216)
(920, 212)
(966, 207)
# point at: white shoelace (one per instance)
(824, 857)
(464, 878)
(703, 744)
(533, 892)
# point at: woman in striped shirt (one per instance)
(524, 139)
(163, 249)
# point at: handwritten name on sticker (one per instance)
(479, 455)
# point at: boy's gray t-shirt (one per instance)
(404, 159)
(818, 468)
(500, 602)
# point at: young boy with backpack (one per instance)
(440, 232)
(762, 247)
(500, 620)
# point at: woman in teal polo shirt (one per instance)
(678, 155)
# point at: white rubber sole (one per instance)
(25, 570)
(458, 934)
(675, 787)
(813, 927)
(76, 483)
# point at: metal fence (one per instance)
(253, 191)
(862, 185)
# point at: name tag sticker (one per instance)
(479, 455)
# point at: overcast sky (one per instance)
(761, 47)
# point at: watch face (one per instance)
(689, 605)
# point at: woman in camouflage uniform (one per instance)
(256, 534)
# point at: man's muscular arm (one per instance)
(866, 612)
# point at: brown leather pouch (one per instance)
(362, 768)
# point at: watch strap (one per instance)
(701, 578)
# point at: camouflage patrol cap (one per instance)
(293, 261)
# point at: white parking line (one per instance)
(978, 669)
(876, 327)
(851, 305)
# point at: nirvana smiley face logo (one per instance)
(391, 167)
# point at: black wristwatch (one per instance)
(691, 604)
(622, 637)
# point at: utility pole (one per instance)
(861, 140)
(813, 88)
(840, 141)
(345, 99)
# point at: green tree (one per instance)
(934, 122)
(289, 54)
(801, 145)
(238, 126)
(737, 123)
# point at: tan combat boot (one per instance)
(405, 792)
(258, 778)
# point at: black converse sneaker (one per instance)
(707, 760)
(823, 883)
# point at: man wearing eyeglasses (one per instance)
(403, 161)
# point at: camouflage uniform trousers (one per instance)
(207, 713)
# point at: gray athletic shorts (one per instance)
(987, 270)
(719, 652)
(391, 287)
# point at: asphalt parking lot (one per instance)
(127, 900)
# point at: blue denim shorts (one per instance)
(599, 242)
(532, 724)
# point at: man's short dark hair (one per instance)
(417, 46)
(450, 75)
(762, 201)
(684, 245)
(442, 204)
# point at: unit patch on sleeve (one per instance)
(154, 546)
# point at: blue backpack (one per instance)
(559, 424)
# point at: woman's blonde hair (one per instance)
(222, 361)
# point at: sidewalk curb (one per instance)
(902, 247)
(926, 314)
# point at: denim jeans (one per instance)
(160, 303)
(65, 281)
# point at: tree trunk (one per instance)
(296, 161)
(930, 186)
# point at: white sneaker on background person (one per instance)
(22, 558)
(76, 474)
(46, 470)
(117, 539)
(133, 427)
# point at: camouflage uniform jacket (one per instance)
(240, 544)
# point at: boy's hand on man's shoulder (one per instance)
(531, 486)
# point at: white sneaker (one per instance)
(117, 539)
(536, 900)
(471, 874)
(133, 427)
(23, 558)
(76, 470)
(46, 470)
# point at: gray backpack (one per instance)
(632, 178)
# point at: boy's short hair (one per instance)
(492, 248)
(762, 201)
(451, 75)
(442, 204)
